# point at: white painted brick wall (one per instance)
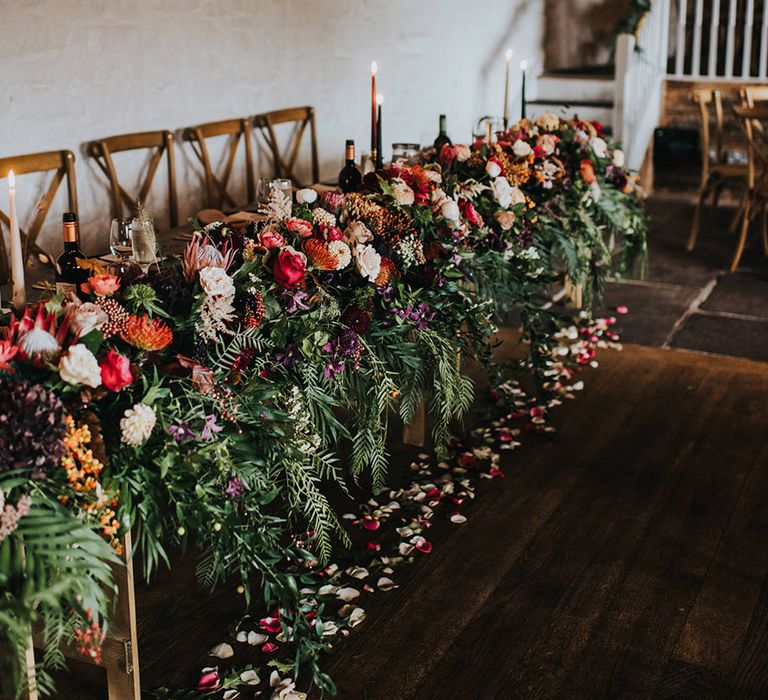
(75, 70)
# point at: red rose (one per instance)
(587, 171)
(115, 370)
(333, 233)
(290, 267)
(469, 212)
(299, 227)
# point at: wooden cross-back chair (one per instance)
(284, 160)
(754, 122)
(715, 174)
(216, 187)
(160, 143)
(753, 94)
(63, 165)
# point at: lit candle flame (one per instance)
(11, 180)
(379, 99)
(374, 68)
(508, 55)
(523, 64)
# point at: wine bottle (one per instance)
(350, 177)
(442, 138)
(69, 274)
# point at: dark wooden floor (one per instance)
(626, 558)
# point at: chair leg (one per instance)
(716, 192)
(742, 237)
(697, 219)
(765, 228)
(737, 215)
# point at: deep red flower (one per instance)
(115, 370)
(290, 267)
(208, 681)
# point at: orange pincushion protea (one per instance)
(146, 333)
(385, 273)
(326, 255)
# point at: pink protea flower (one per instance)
(201, 253)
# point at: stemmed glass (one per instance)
(144, 243)
(120, 241)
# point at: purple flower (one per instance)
(421, 315)
(210, 428)
(181, 431)
(291, 354)
(293, 300)
(235, 488)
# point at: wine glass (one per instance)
(144, 243)
(282, 185)
(120, 242)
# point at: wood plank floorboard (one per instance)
(606, 557)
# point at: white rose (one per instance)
(618, 158)
(79, 366)
(137, 423)
(462, 152)
(450, 210)
(368, 261)
(502, 192)
(404, 195)
(522, 149)
(216, 282)
(599, 146)
(357, 232)
(306, 196)
(87, 317)
(517, 195)
(493, 168)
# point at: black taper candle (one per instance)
(379, 150)
(522, 103)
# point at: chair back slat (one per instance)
(62, 163)
(160, 143)
(753, 122)
(217, 186)
(285, 166)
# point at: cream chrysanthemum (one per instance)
(137, 424)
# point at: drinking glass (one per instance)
(120, 242)
(282, 185)
(144, 243)
(406, 152)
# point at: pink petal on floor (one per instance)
(269, 647)
(271, 624)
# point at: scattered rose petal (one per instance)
(386, 584)
(357, 616)
(358, 572)
(222, 651)
(230, 694)
(347, 593)
(622, 309)
(458, 518)
(328, 589)
(242, 636)
(271, 624)
(254, 638)
(330, 629)
(250, 677)
(269, 647)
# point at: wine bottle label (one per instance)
(65, 288)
